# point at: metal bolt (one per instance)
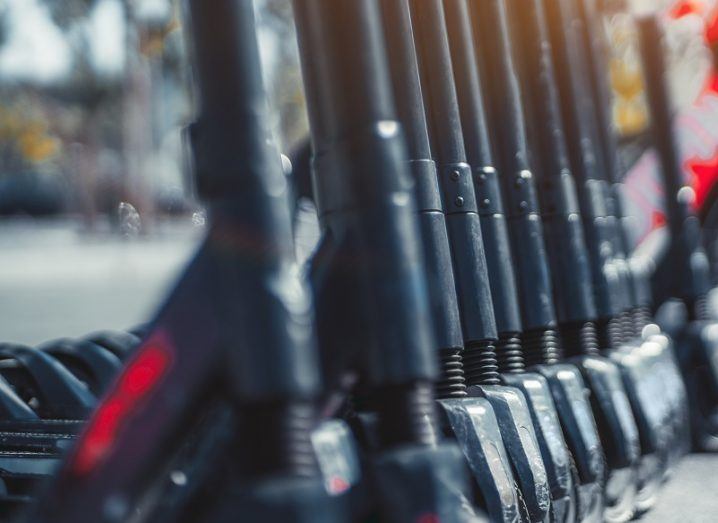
(686, 195)
(459, 201)
(455, 175)
(523, 175)
(178, 477)
(485, 203)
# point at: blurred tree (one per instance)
(96, 115)
(25, 138)
(132, 114)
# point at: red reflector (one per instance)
(144, 373)
(338, 485)
(138, 379)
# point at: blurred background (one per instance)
(96, 203)
(97, 212)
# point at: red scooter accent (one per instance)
(139, 379)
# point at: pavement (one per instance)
(691, 494)
(58, 279)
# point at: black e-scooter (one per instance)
(684, 272)
(235, 331)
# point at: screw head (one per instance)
(485, 203)
(522, 177)
(686, 195)
(459, 201)
(455, 175)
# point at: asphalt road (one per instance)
(56, 280)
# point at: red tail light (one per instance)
(139, 379)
